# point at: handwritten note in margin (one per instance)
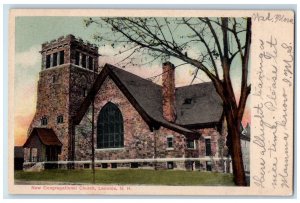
(272, 69)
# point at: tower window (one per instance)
(207, 147)
(61, 57)
(60, 119)
(83, 60)
(77, 57)
(110, 130)
(48, 61)
(44, 121)
(54, 63)
(91, 63)
(84, 92)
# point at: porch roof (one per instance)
(45, 135)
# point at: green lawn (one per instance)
(130, 176)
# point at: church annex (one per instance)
(137, 123)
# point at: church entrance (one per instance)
(42, 145)
(52, 153)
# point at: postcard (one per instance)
(151, 102)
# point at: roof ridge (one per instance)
(44, 139)
(202, 83)
(112, 67)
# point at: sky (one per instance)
(31, 32)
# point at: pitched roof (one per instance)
(205, 107)
(146, 96)
(244, 137)
(198, 104)
(145, 92)
(245, 133)
(46, 136)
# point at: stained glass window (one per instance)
(110, 130)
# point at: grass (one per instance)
(129, 177)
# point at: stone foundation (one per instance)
(189, 165)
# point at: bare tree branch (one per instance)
(205, 43)
(206, 46)
(245, 90)
(215, 36)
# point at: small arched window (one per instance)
(44, 120)
(110, 130)
(60, 119)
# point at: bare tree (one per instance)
(211, 45)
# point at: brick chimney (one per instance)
(168, 91)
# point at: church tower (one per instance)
(69, 67)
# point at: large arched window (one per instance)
(110, 133)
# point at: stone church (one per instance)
(137, 123)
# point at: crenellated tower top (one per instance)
(69, 50)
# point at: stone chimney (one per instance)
(168, 91)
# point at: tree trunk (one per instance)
(233, 126)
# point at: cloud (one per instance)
(27, 65)
(183, 73)
(29, 58)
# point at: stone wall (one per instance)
(60, 93)
(81, 80)
(139, 142)
(52, 101)
(62, 86)
(179, 144)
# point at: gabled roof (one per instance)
(198, 104)
(146, 97)
(45, 135)
(245, 132)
